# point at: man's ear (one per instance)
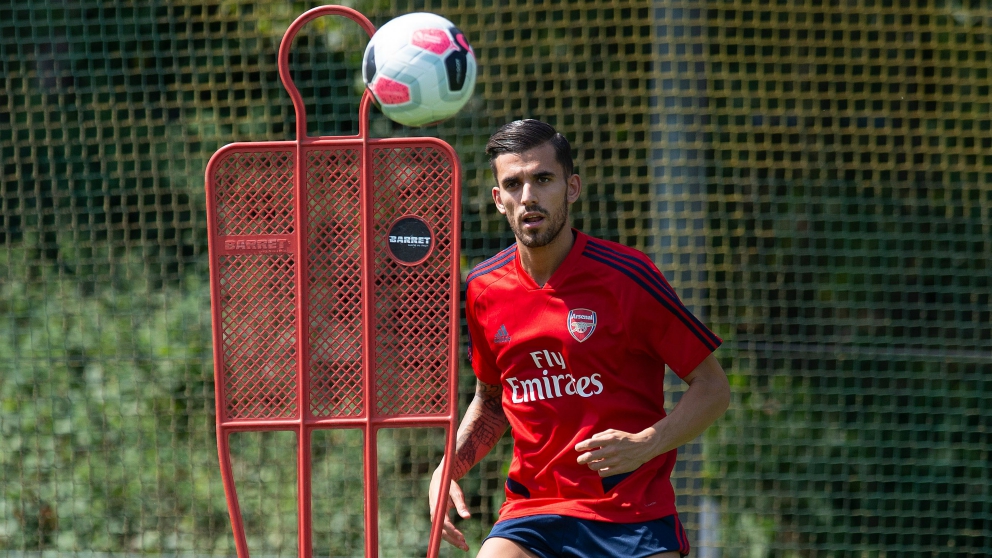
(499, 204)
(574, 188)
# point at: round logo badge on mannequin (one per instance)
(410, 240)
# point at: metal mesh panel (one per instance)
(255, 193)
(254, 196)
(412, 302)
(334, 282)
(813, 176)
(259, 344)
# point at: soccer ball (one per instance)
(419, 68)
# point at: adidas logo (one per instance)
(502, 336)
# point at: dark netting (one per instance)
(814, 177)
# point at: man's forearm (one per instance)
(701, 405)
(481, 428)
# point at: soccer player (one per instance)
(569, 337)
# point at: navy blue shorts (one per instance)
(557, 536)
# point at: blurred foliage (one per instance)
(107, 418)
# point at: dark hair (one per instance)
(523, 135)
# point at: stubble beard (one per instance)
(555, 223)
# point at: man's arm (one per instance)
(480, 429)
(613, 452)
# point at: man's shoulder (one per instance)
(627, 269)
(491, 270)
(618, 257)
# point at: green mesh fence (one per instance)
(814, 177)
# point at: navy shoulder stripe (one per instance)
(653, 284)
(634, 262)
(499, 260)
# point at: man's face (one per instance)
(534, 195)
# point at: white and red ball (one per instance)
(419, 68)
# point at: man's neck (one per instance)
(541, 263)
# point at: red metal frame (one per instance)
(299, 343)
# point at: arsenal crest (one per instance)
(581, 323)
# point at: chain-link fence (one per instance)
(814, 177)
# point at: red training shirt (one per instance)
(583, 354)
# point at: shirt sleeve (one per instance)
(671, 333)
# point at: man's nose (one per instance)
(528, 195)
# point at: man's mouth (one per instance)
(530, 220)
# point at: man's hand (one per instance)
(613, 452)
(455, 498)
